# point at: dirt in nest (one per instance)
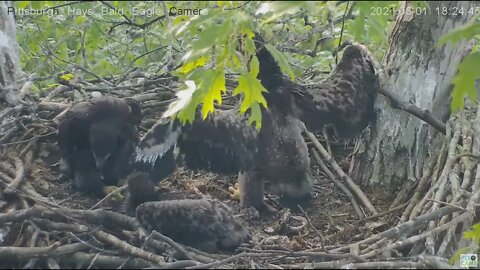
(329, 215)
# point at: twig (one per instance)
(399, 230)
(393, 210)
(22, 253)
(82, 259)
(341, 31)
(322, 242)
(339, 184)
(447, 203)
(424, 235)
(173, 244)
(354, 187)
(19, 176)
(127, 248)
(109, 195)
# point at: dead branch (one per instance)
(83, 260)
(23, 253)
(127, 248)
(422, 236)
(19, 176)
(339, 184)
(424, 115)
(354, 187)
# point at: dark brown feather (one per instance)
(104, 127)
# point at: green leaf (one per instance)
(37, 4)
(249, 46)
(463, 32)
(213, 92)
(214, 35)
(245, 23)
(464, 81)
(254, 67)
(22, 4)
(281, 61)
(255, 116)
(80, 20)
(67, 77)
(192, 64)
(476, 227)
(252, 89)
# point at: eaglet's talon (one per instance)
(234, 192)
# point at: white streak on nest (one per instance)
(152, 153)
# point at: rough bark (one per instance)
(418, 72)
(9, 60)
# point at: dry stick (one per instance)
(456, 194)
(434, 262)
(446, 203)
(320, 235)
(393, 210)
(115, 191)
(442, 181)
(439, 164)
(205, 254)
(173, 244)
(219, 263)
(385, 264)
(474, 199)
(162, 247)
(468, 169)
(33, 243)
(287, 253)
(399, 230)
(98, 216)
(127, 248)
(338, 183)
(424, 115)
(22, 253)
(454, 178)
(422, 236)
(354, 187)
(179, 264)
(427, 172)
(52, 106)
(102, 261)
(49, 225)
(19, 176)
(338, 264)
(91, 246)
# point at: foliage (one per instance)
(468, 71)
(474, 236)
(111, 39)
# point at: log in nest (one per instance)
(38, 228)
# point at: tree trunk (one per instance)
(418, 72)
(9, 60)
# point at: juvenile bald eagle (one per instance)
(142, 189)
(96, 140)
(188, 218)
(205, 224)
(225, 143)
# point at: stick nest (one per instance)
(42, 224)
